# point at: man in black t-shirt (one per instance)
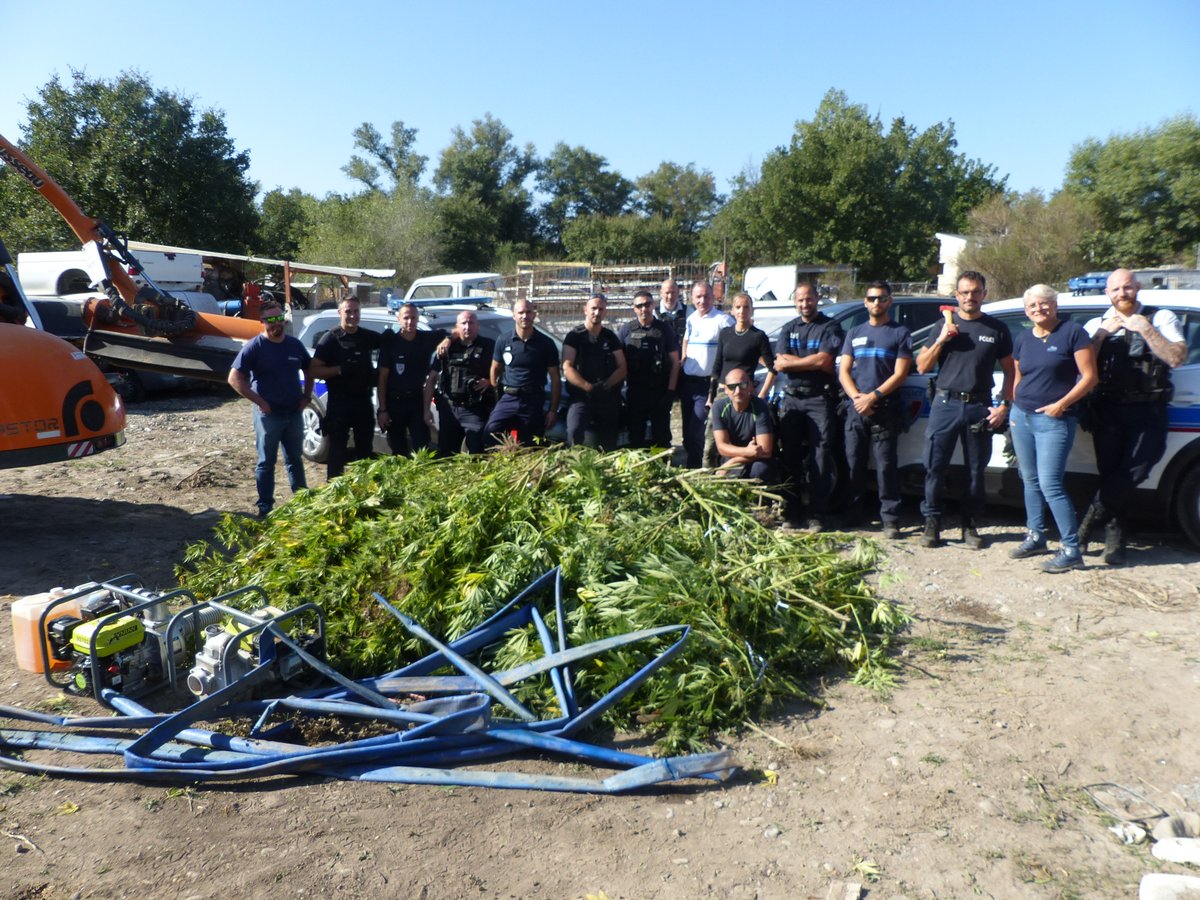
(403, 370)
(344, 358)
(593, 362)
(652, 357)
(966, 350)
(744, 431)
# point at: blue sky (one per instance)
(715, 84)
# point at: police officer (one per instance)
(593, 362)
(464, 387)
(523, 360)
(344, 358)
(965, 350)
(652, 357)
(805, 354)
(1136, 347)
(876, 358)
(404, 361)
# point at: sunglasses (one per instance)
(733, 386)
(878, 298)
(642, 305)
(279, 318)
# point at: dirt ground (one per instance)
(1016, 691)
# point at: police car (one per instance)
(1173, 488)
(435, 315)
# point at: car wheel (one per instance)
(316, 443)
(1187, 504)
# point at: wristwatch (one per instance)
(878, 394)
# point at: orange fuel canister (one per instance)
(25, 615)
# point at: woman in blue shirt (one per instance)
(1056, 368)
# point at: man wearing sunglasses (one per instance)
(876, 358)
(652, 356)
(743, 430)
(267, 372)
(343, 357)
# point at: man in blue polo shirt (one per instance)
(876, 358)
(267, 372)
(523, 360)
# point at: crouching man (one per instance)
(743, 430)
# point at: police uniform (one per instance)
(808, 420)
(648, 350)
(600, 408)
(959, 406)
(1127, 415)
(349, 407)
(407, 363)
(874, 351)
(521, 398)
(676, 318)
(462, 410)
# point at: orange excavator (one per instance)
(54, 402)
(132, 327)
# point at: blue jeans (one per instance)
(1042, 443)
(271, 431)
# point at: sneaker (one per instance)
(891, 531)
(1062, 562)
(1031, 546)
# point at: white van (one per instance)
(453, 284)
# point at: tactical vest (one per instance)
(596, 360)
(1129, 370)
(462, 367)
(645, 356)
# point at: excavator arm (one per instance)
(134, 327)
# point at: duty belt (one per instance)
(1121, 397)
(523, 391)
(808, 390)
(964, 396)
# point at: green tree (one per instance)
(146, 161)
(484, 170)
(284, 222)
(846, 191)
(627, 238)
(578, 183)
(681, 193)
(397, 230)
(395, 159)
(1145, 190)
(1025, 240)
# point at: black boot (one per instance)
(970, 535)
(1093, 520)
(1114, 543)
(932, 536)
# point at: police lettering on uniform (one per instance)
(344, 357)
(965, 351)
(464, 391)
(593, 362)
(1136, 347)
(876, 358)
(523, 360)
(403, 371)
(652, 358)
(805, 356)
